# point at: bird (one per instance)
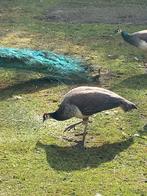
(137, 39)
(84, 101)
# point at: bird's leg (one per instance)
(85, 132)
(145, 60)
(85, 122)
(81, 143)
(72, 126)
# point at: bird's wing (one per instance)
(141, 35)
(91, 103)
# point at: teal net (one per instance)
(56, 66)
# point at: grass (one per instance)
(34, 158)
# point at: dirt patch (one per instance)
(132, 14)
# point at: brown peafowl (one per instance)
(84, 101)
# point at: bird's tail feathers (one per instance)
(127, 105)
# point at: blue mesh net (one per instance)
(56, 66)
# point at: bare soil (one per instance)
(128, 14)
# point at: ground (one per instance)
(35, 159)
(98, 12)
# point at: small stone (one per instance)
(17, 97)
(112, 56)
(136, 135)
(136, 58)
(98, 194)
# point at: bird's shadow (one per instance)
(69, 158)
(143, 132)
(135, 82)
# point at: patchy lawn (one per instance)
(35, 160)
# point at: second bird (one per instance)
(84, 101)
(137, 39)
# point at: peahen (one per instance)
(57, 67)
(84, 101)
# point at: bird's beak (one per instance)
(43, 119)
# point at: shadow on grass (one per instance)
(32, 86)
(72, 158)
(135, 82)
(143, 132)
(145, 128)
(29, 86)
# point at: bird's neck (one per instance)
(56, 115)
(125, 35)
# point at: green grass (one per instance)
(34, 158)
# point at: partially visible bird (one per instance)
(137, 39)
(84, 101)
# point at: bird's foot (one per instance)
(70, 127)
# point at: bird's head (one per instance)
(46, 116)
(118, 30)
